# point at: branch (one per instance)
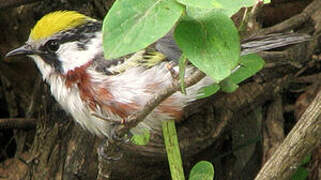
(227, 106)
(19, 123)
(139, 116)
(14, 3)
(292, 22)
(109, 149)
(308, 79)
(303, 138)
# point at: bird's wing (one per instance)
(261, 43)
(146, 58)
(167, 46)
(167, 49)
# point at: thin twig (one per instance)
(252, 24)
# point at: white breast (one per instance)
(71, 102)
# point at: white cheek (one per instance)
(71, 56)
(43, 67)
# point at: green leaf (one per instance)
(227, 85)
(131, 25)
(250, 64)
(181, 64)
(206, 4)
(172, 150)
(230, 7)
(202, 170)
(300, 174)
(141, 138)
(197, 12)
(306, 159)
(210, 42)
(208, 91)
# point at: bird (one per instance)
(100, 94)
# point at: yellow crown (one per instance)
(55, 22)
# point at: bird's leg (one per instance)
(106, 149)
(109, 148)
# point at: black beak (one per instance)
(23, 50)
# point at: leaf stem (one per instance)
(172, 149)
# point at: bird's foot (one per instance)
(115, 137)
(109, 151)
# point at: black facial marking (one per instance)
(52, 59)
(82, 34)
(48, 53)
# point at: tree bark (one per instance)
(51, 146)
(303, 139)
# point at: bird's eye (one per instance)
(52, 45)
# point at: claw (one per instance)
(116, 138)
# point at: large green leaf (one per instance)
(206, 4)
(202, 170)
(210, 42)
(131, 25)
(230, 7)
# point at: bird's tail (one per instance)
(266, 42)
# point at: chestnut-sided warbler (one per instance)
(99, 94)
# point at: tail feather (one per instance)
(271, 41)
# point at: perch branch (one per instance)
(303, 138)
(139, 116)
(109, 148)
